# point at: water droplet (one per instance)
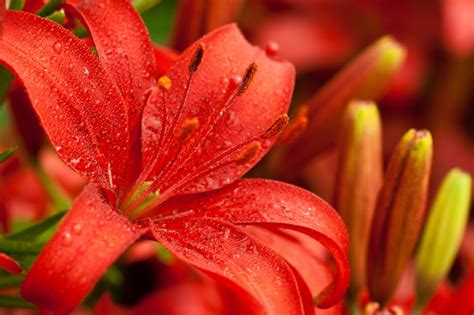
(77, 228)
(66, 239)
(58, 47)
(85, 70)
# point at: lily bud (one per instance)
(359, 179)
(399, 213)
(443, 233)
(367, 77)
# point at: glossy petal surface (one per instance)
(275, 205)
(124, 48)
(226, 251)
(78, 104)
(90, 238)
(195, 129)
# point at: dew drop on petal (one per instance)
(58, 47)
(77, 228)
(66, 239)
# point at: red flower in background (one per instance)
(164, 157)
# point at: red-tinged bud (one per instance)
(359, 179)
(197, 17)
(366, 77)
(399, 213)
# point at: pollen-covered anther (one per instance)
(249, 153)
(197, 58)
(165, 82)
(276, 127)
(188, 126)
(247, 78)
(296, 127)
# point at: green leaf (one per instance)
(58, 16)
(16, 4)
(159, 20)
(48, 8)
(11, 281)
(5, 155)
(14, 301)
(36, 230)
(144, 5)
(20, 247)
(6, 78)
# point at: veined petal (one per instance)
(124, 48)
(225, 251)
(215, 114)
(274, 204)
(78, 104)
(92, 235)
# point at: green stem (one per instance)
(16, 302)
(144, 5)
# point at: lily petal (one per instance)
(87, 242)
(274, 204)
(78, 104)
(203, 117)
(226, 251)
(124, 48)
(9, 264)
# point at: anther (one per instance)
(187, 127)
(276, 127)
(164, 82)
(197, 58)
(247, 78)
(248, 153)
(296, 127)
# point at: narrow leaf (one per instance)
(31, 232)
(5, 155)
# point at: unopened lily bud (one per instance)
(366, 77)
(359, 179)
(399, 213)
(443, 233)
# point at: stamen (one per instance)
(197, 58)
(276, 127)
(188, 126)
(247, 79)
(296, 127)
(164, 82)
(249, 153)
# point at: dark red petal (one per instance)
(87, 242)
(314, 269)
(274, 204)
(192, 137)
(226, 251)
(9, 264)
(124, 48)
(165, 58)
(78, 104)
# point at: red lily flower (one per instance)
(175, 178)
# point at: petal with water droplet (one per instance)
(91, 236)
(276, 205)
